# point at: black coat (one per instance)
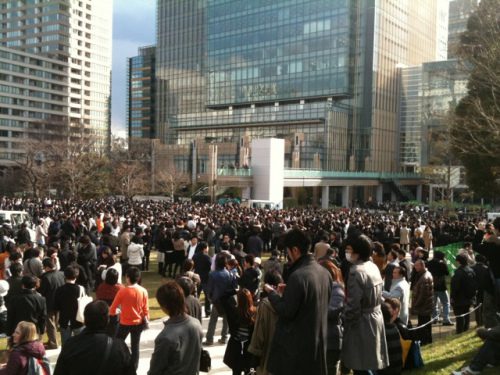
(84, 354)
(66, 302)
(299, 343)
(28, 306)
(462, 276)
(49, 283)
(439, 271)
(202, 265)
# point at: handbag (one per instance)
(205, 361)
(414, 359)
(83, 300)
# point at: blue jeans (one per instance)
(488, 353)
(67, 332)
(442, 295)
(135, 338)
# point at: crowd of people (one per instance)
(336, 293)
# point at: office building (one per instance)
(76, 33)
(141, 94)
(459, 13)
(429, 93)
(320, 74)
(33, 101)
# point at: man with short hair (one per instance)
(51, 280)
(134, 316)
(400, 289)
(299, 343)
(439, 270)
(88, 352)
(422, 303)
(66, 303)
(202, 266)
(28, 306)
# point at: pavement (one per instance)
(217, 350)
(147, 346)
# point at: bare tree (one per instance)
(170, 180)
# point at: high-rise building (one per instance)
(321, 74)
(141, 94)
(429, 92)
(459, 13)
(33, 101)
(77, 33)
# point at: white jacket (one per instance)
(135, 253)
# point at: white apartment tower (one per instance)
(75, 32)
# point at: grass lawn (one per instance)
(450, 354)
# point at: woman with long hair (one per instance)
(241, 321)
(265, 322)
(25, 345)
(335, 308)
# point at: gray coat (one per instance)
(299, 342)
(364, 346)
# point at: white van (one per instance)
(16, 218)
(492, 215)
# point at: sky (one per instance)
(134, 26)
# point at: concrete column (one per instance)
(431, 194)
(419, 193)
(346, 199)
(325, 197)
(380, 193)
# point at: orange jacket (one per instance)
(134, 306)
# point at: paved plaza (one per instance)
(147, 345)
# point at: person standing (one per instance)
(439, 270)
(177, 347)
(422, 303)
(134, 316)
(364, 330)
(400, 289)
(25, 345)
(51, 280)
(28, 306)
(222, 285)
(463, 292)
(66, 303)
(404, 237)
(93, 351)
(202, 265)
(299, 342)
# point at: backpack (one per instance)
(38, 366)
(470, 286)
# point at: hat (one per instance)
(4, 288)
(257, 260)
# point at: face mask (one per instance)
(348, 257)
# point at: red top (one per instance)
(107, 292)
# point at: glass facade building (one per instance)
(428, 93)
(460, 11)
(141, 94)
(321, 74)
(76, 32)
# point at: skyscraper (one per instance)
(320, 73)
(141, 92)
(77, 33)
(460, 11)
